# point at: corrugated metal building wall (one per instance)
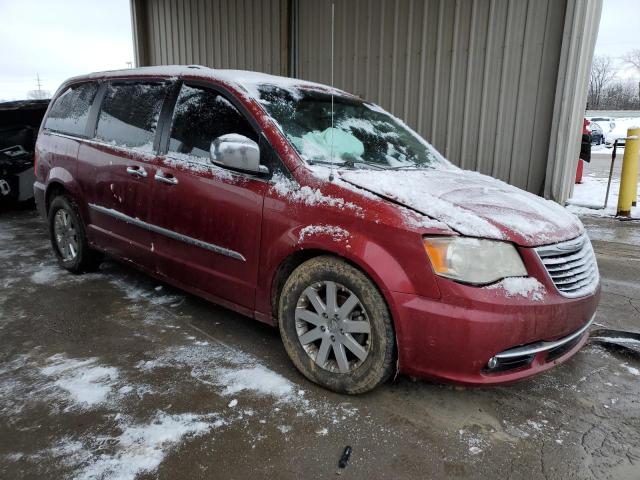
(242, 34)
(498, 86)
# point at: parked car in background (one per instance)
(19, 124)
(597, 135)
(620, 131)
(607, 123)
(317, 212)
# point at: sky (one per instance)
(63, 38)
(59, 39)
(619, 32)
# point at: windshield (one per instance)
(363, 135)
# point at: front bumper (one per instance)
(524, 355)
(454, 338)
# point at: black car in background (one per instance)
(597, 135)
(19, 124)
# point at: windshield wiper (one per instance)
(346, 163)
(325, 162)
(407, 167)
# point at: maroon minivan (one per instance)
(315, 211)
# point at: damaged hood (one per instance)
(473, 204)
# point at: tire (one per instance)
(299, 317)
(84, 258)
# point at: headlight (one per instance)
(472, 260)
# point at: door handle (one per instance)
(137, 171)
(168, 178)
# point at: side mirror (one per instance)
(238, 153)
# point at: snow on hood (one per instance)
(473, 204)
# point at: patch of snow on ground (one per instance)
(257, 379)
(139, 293)
(631, 370)
(85, 382)
(141, 448)
(521, 286)
(590, 194)
(231, 371)
(336, 233)
(47, 274)
(623, 340)
(284, 428)
(475, 443)
(6, 236)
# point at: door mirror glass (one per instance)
(238, 153)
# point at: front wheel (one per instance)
(336, 327)
(68, 237)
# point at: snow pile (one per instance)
(337, 234)
(589, 196)
(307, 195)
(471, 203)
(521, 286)
(85, 382)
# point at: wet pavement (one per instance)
(114, 375)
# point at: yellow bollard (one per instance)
(629, 175)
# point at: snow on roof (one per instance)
(244, 79)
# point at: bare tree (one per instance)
(632, 58)
(602, 72)
(38, 94)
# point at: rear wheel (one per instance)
(336, 327)
(68, 237)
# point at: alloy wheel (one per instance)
(333, 327)
(65, 234)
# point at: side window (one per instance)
(70, 111)
(129, 114)
(202, 115)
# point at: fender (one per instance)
(61, 176)
(370, 256)
(385, 271)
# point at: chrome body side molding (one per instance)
(168, 233)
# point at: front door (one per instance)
(117, 165)
(210, 218)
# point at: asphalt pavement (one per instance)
(115, 375)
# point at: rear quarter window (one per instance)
(129, 114)
(70, 111)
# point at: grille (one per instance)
(572, 266)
